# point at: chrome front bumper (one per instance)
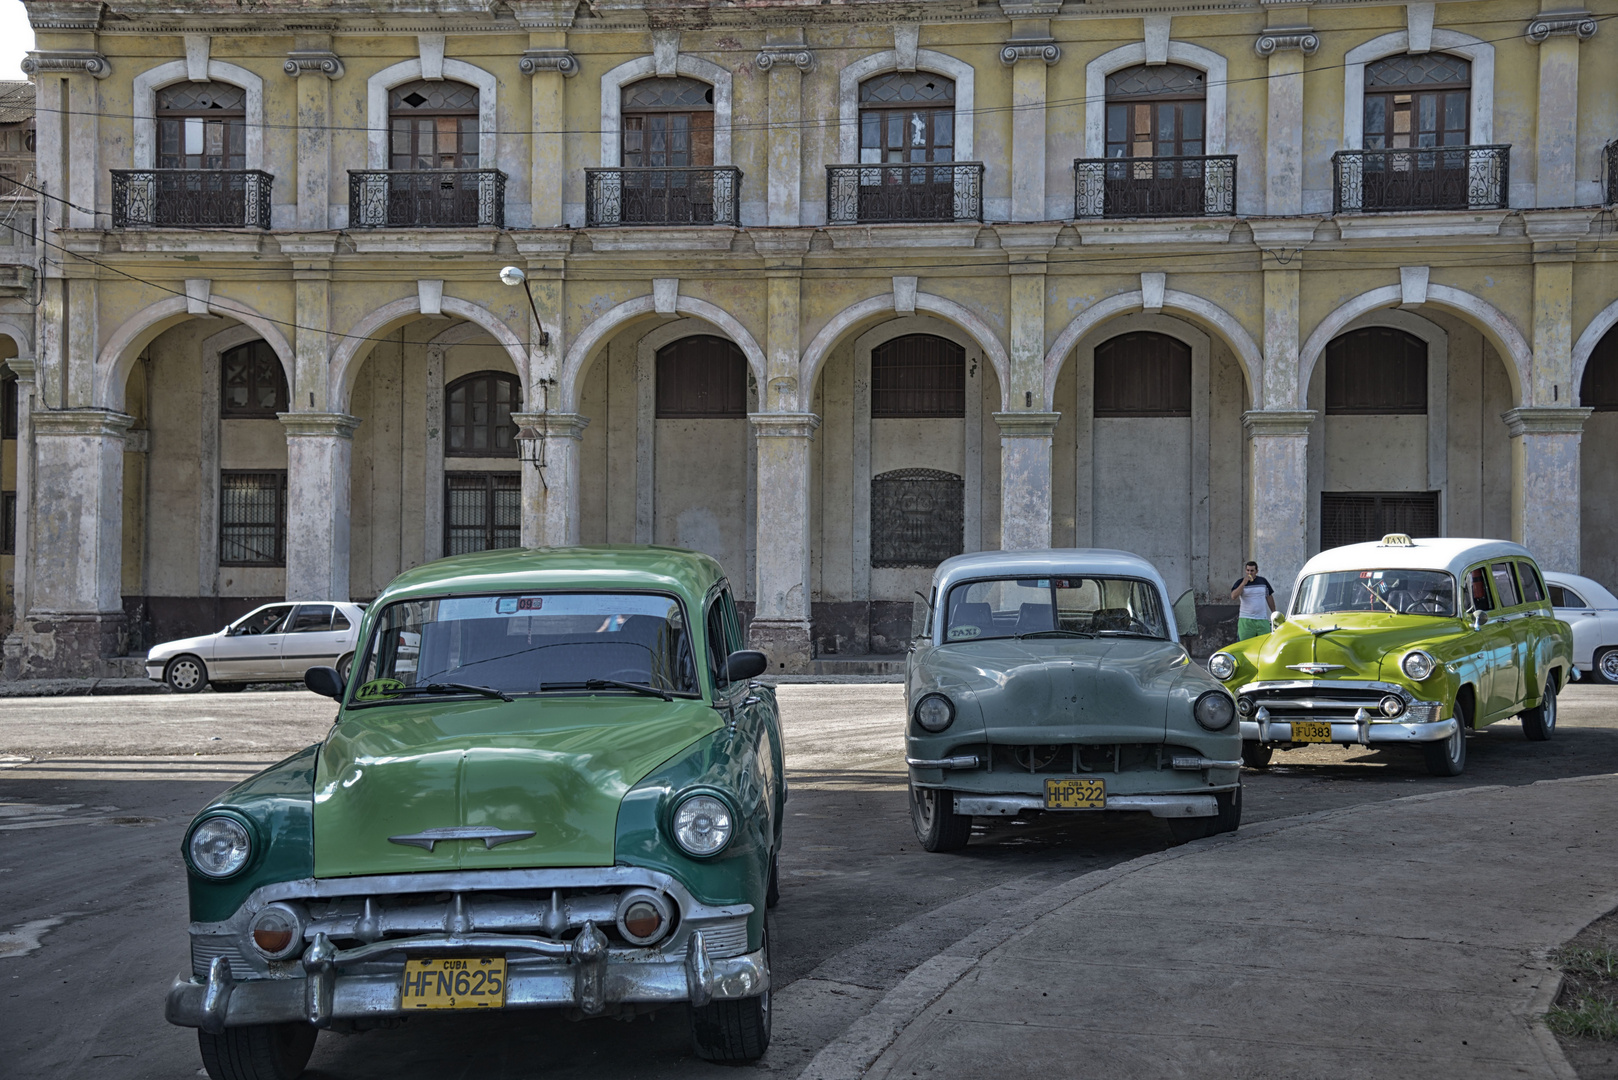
(1354, 733)
(1163, 806)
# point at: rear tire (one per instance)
(1539, 723)
(1255, 755)
(937, 825)
(734, 1030)
(343, 666)
(1448, 758)
(258, 1051)
(186, 674)
(1604, 669)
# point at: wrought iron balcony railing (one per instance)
(872, 194)
(1611, 150)
(1154, 187)
(1423, 178)
(710, 195)
(426, 199)
(194, 198)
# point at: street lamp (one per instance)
(513, 275)
(530, 439)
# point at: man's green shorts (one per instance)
(1246, 628)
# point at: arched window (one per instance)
(907, 116)
(702, 378)
(1599, 390)
(433, 125)
(1156, 111)
(202, 126)
(667, 124)
(1376, 370)
(252, 384)
(918, 375)
(477, 412)
(1417, 101)
(1142, 374)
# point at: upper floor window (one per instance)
(1376, 370)
(433, 125)
(918, 375)
(251, 382)
(1143, 374)
(1415, 101)
(1156, 111)
(1599, 390)
(667, 124)
(202, 126)
(8, 407)
(478, 411)
(907, 116)
(701, 377)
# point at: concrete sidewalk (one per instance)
(1399, 939)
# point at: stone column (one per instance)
(1545, 483)
(1025, 478)
(787, 61)
(23, 368)
(550, 488)
(1286, 47)
(781, 620)
(320, 449)
(312, 57)
(77, 127)
(1028, 53)
(549, 65)
(1557, 120)
(75, 619)
(1278, 504)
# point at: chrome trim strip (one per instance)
(1194, 763)
(492, 838)
(963, 761)
(1198, 805)
(1335, 684)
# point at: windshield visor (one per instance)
(1391, 592)
(523, 644)
(1054, 607)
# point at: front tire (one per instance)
(1228, 819)
(734, 1030)
(937, 825)
(186, 674)
(258, 1051)
(1448, 758)
(1256, 755)
(1539, 723)
(1605, 667)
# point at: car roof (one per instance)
(1451, 553)
(1042, 562)
(688, 574)
(1592, 590)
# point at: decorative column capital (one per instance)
(1545, 420)
(1278, 423)
(23, 367)
(1030, 9)
(784, 425)
(1045, 49)
(89, 61)
(535, 61)
(314, 62)
(310, 424)
(105, 422)
(550, 425)
(1027, 425)
(797, 55)
(1579, 24)
(1284, 38)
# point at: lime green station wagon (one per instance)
(1403, 642)
(550, 783)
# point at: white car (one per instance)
(1592, 611)
(275, 643)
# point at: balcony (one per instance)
(710, 195)
(877, 194)
(1154, 187)
(193, 198)
(1424, 178)
(427, 199)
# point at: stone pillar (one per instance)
(550, 489)
(787, 61)
(1029, 53)
(1545, 483)
(312, 57)
(1557, 120)
(23, 368)
(320, 448)
(549, 65)
(1278, 503)
(1025, 478)
(83, 342)
(1286, 47)
(781, 620)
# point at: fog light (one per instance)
(277, 931)
(644, 917)
(1245, 706)
(1392, 705)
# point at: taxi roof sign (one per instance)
(1397, 540)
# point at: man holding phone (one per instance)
(1255, 594)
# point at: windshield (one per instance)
(528, 644)
(1055, 608)
(1402, 592)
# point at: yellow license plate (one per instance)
(1075, 794)
(1311, 731)
(476, 982)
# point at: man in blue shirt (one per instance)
(1255, 594)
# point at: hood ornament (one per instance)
(1314, 669)
(491, 838)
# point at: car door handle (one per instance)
(752, 700)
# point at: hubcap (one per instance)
(1457, 743)
(1550, 710)
(185, 675)
(1609, 665)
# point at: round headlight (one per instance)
(1392, 705)
(1418, 665)
(934, 713)
(220, 846)
(1221, 666)
(1214, 710)
(277, 931)
(702, 825)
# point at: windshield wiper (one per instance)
(602, 684)
(444, 687)
(1131, 633)
(1055, 633)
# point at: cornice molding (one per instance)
(543, 14)
(86, 60)
(1045, 49)
(535, 61)
(65, 15)
(1283, 39)
(1545, 420)
(798, 56)
(1580, 24)
(314, 62)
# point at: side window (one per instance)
(1533, 590)
(1505, 584)
(1477, 590)
(1561, 596)
(735, 640)
(339, 621)
(717, 653)
(311, 619)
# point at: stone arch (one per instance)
(642, 67)
(1179, 52)
(814, 356)
(345, 361)
(1202, 311)
(1604, 321)
(144, 107)
(1478, 51)
(118, 355)
(848, 97)
(376, 108)
(582, 352)
(23, 339)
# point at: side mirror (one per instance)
(1185, 614)
(1475, 619)
(739, 666)
(1276, 619)
(324, 681)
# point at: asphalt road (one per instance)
(92, 903)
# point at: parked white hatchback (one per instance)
(1592, 611)
(274, 643)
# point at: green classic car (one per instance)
(1403, 642)
(550, 783)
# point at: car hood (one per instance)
(202, 646)
(1357, 641)
(557, 767)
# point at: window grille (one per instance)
(252, 518)
(478, 412)
(701, 377)
(1374, 371)
(1363, 516)
(1143, 374)
(251, 382)
(917, 517)
(482, 511)
(1599, 391)
(918, 375)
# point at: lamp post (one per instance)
(513, 275)
(530, 439)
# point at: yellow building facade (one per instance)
(831, 292)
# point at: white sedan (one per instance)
(1592, 611)
(275, 643)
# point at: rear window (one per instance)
(1562, 596)
(1505, 584)
(1533, 591)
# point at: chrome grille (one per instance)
(726, 938)
(205, 947)
(1319, 701)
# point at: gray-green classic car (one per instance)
(550, 783)
(1056, 681)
